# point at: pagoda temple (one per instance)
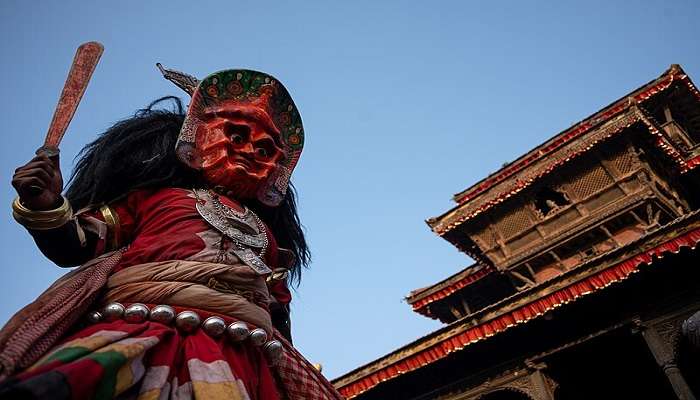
(586, 281)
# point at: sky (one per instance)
(403, 103)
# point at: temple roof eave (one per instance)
(596, 274)
(420, 299)
(616, 117)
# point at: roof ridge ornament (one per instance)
(184, 81)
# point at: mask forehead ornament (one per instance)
(245, 88)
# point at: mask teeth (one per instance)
(184, 81)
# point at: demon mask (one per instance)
(242, 130)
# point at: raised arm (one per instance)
(47, 215)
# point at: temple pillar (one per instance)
(543, 386)
(530, 382)
(665, 357)
(534, 383)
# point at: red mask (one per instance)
(239, 147)
(243, 131)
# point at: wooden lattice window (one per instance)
(623, 158)
(513, 222)
(485, 238)
(591, 181)
(548, 200)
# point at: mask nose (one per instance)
(247, 148)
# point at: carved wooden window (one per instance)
(513, 221)
(676, 132)
(591, 181)
(623, 159)
(484, 238)
(548, 200)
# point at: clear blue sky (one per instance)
(404, 104)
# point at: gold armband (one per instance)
(42, 220)
(278, 274)
(114, 231)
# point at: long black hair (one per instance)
(139, 153)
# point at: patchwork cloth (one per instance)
(299, 378)
(150, 360)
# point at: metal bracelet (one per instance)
(42, 220)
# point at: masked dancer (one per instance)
(185, 230)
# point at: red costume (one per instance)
(177, 303)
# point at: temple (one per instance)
(586, 276)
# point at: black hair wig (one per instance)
(139, 153)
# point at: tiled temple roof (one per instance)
(562, 148)
(419, 299)
(595, 275)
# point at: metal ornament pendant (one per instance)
(249, 258)
(220, 219)
(223, 226)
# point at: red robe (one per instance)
(150, 360)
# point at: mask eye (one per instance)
(265, 149)
(238, 134)
(236, 139)
(261, 152)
